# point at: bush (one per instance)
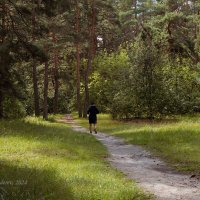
(13, 108)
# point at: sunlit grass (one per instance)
(44, 160)
(176, 142)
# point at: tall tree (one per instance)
(55, 74)
(92, 17)
(35, 79)
(78, 59)
(15, 39)
(46, 84)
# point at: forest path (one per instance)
(152, 174)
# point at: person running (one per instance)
(92, 112)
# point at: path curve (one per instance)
(152, 174)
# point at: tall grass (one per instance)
(46, 161)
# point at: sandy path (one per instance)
(150, 173)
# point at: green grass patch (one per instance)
(42, 160)
(177, 142)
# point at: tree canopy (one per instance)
(135, 59)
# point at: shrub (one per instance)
(13, 108)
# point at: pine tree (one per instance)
(15, 38)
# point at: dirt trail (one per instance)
(149, 172)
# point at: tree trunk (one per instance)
(86, 83)
(1, 104)
(78, 60)
(46, 83)
(56, 90)
(91, 54)
(135, 9)
(36, 92)
(34, 73)
(2, 37)
(3, 19)
(55, 76)
(56, 87)
(150, 88)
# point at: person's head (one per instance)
(92, 103)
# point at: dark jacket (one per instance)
(92, 112)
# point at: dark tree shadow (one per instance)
(23, 183)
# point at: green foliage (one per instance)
(13, 108)
(160, 75)
(106, 83)
(140, 82)
(181, 88)
(146, 78)
(146, 55)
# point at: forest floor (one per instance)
(42, 160)
(154, 175)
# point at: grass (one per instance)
(42, 160)
(177, 142)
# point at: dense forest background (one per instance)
(134, 58)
